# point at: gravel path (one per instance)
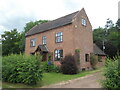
(89, 81)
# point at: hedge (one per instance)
(21, 69)
(112, 73)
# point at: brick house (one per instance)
(62, 37)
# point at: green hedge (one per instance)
(93, 60)
(112, 73)
(21, 69)
(48, 66)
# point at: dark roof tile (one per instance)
(42, 48)
(52, 24)
(97, 50)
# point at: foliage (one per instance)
(13, 42)
(31, 24)
(110, 35)
(112, 73)
(69, 65)
(77, 57)
(50, 56)
(50, 78)
(48, 66)
(100, 58)
(0, 63)
(93, 60)
(10, 42)
(77, 50)
(0, 50)
(21, 69)
(27, 27)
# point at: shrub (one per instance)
(77, 56)
(112, 73)
(48, 66)
(21, 69)
(68, 65)
(93, 60)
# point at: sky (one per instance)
(16, 13)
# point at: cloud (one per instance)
(15, 13)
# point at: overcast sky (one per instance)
(15, 13)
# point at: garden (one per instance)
(28, 71)
(25, 71)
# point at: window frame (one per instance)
(84, 23)
(32, 42)
(87, 57)
(59, 37)
(58, 54)
(44, 38)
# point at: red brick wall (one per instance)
(83, 37)
(102, 63)
(67, 45)
(75, 36)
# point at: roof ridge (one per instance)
(58, 18)
(64, 20)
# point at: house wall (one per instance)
(75, 36)
(67, 45)
(83, 39)
(102, 63)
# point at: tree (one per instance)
(110, 35)
(10, 42)
(27, 27)
(0, 50)
(31, 24)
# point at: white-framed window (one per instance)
(59, 37)
(32, 42)
(83, 22)
(58, 54)
(44, 40)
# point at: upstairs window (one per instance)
(59, 37)
(83, 22)
(87, 57)
(58, 54)
(32, 42)
(44, 40)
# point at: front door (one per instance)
(44, 56)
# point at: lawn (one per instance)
(51, 78)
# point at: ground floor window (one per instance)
(87, 57)
(58, 54)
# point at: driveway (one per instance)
(89, 81)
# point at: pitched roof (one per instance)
(42, 48)
(65, 20)
(97, 50)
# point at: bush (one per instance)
(77, 56)
(50, 67)
(112, 73)
(93, 60)
(68, 65)
(21, 69)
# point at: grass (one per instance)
(51, 78)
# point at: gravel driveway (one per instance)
(89, 81)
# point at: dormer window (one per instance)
(83, 22)
(44, 40)
(32, 42)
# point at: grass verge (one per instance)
(51, 78)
